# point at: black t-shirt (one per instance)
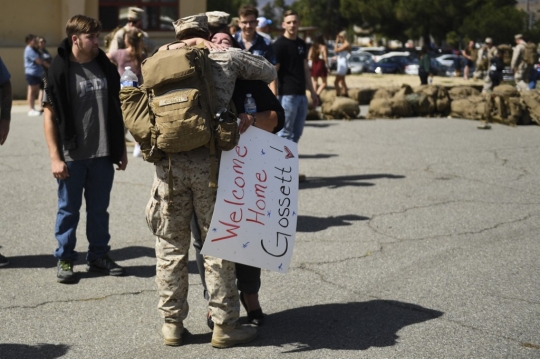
(263, 96)
(290, 55)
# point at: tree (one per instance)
(324, 14)
(507, 20)
(269, 13)
(380, 15)
(449, 19)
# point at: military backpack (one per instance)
(530, 55)
(174, 109)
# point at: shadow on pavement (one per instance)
(118, 255)
(316, 224)
(22, 351)
(342, 181)
(318, 156)
(319, 124)
(349, 326)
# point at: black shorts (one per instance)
(33, 80)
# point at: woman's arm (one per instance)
(345, 46)
(266, 120)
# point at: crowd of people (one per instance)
(85, 136)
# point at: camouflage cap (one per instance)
(197, 22)
(234, 21)
(217, 18)
(488, 40)
(135, 13)
(518, 37)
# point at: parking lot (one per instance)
(416, 238)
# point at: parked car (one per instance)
(359, 62)
(447, 59)
(375, 51)
(393, 53)
(437, 69)
(390, 65)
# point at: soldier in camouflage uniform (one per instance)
(170, 222)
(485, 54)
(520, 67)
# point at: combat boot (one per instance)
(172, 333)
(226, 336)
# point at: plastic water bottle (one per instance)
(129, 78)
(249, 104)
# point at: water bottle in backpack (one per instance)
(129, 78)
(249, 104)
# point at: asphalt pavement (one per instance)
(416, 238)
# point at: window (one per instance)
(159, 14)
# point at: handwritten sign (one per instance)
(254, 220)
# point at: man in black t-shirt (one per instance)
(293, 77)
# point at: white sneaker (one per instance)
(137, 150)
(34, 113)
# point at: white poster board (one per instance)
(255, 215)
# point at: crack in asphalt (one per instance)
(377, 215)
(520, 176)
(341, 260)
(519, 169)
(35, 306)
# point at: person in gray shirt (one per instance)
(84, 131)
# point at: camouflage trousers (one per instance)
(169, 221)
(522, 75)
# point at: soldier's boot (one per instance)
(172, 333)
(226, 336)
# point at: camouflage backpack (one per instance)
(507, 56)
(174, 110)
(530, 55)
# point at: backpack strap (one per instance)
(211, 98)
(170, 180)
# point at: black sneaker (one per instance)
(3, 261)
(65, 272)
(105, 265)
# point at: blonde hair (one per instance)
(135, 39)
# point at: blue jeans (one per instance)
(93, 177)
(296, 108)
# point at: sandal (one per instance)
(255, 317)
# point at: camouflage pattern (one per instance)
(230, 64)
(521, 69)
(483, 63)
(170, 221)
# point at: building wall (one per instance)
(19, 18)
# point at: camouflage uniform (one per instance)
(521, 69)
(170, 222)
(490, 53)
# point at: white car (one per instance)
(446, 60)
(392, 54)
(359, 62)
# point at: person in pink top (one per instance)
(132, 55)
